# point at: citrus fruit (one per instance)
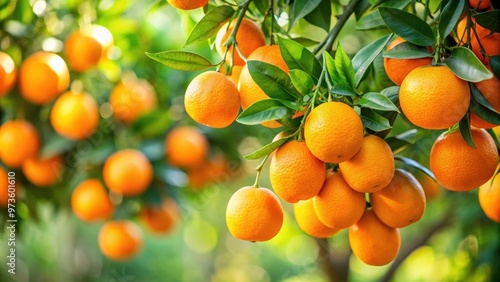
(489, 197)
(43, 172)
(462, 30)
(85, 47)
(235, 73)
(490, 44)
(42, 77)
(254, 214)
(459, 167)
(372, 168)
(120, 240)
(308, 221)
(338, 205)
(90, 201)
(131, 99)
(333, 132)
(9, 188)
(75, 115)
(248, 37)
(212, 171)
(401, 203)
(479, 4)
(188, 4)
(8, 73)
(128, 172)
(373, 242)
(431, 188)
(295, 173)
(490, 89)
(432, 97)
(19, 141)
(160, 219)
(398, 69)
(212, 99)
(186, 147)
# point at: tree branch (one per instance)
(336, 267)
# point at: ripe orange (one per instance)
(398, 69)
(160, 219)
(90, 201)
(213, 170)
(19, 141)
(432, 97)
(128, 172)
(431, 188)
(250, 92)
(43, 172)
(8, 73)
(491, 46)
(212, 99)
(489, 198)
(459, 167)
(338, 205)
(333, 132)
(131, 99)
(490, 89)
(7, 192)
(462, 30)
(42, 77)
(401, 203)
(84, 48)
(254, 214)
(476, 5)
(372, 241)
(235, 73)
(120, 240)
(372, 168)
(248, 37)
(75, 115)
(188, 4)
(308, 221)
(186, 147)
(295, 173)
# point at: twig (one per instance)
(335, 267)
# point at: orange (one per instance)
(372, 168)
(213, 170)
(9, 188)
(398, 69)
(491, 46)
(462, 30)
(308, 221)
(212, 99)
(372, 241)
(431, 188)
(90, 201)
(479, 4)
(160, 219)
(84, 48)
(489, 198)
(120, 240)
(250, 92)
(401, 203)
(235, 73)
(254, 214)
(131, 99)
(186, 147)
(333, 132)
(338, 205)
(459, 167)
(188, 4)
(432, 97)
(8, 73)
(128, 172)
(490, 89)
(43, 172)
(75, 115)
(295, 173)
(19, 141)
(248, 37)
(42, 77)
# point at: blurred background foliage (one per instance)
(453, 242)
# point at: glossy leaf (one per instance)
(342, 90)
(344, 67)
(371, 21)
(495, 65)
(464, 64)
(333, 74)
(301, 8)
(264, 110)
(272, 80)
(416, 165)
(365, 57)
(181, 60)
(302, 81)
(464, 126)
(321, 16)
(484, 112)
(403, 140)
(266, 150)
(377, 101)
(449, 17)
(374, 121)
(297, 56)
(391, 92)
(407, 50)
(408, 26)
(210, 24)
(489, 20)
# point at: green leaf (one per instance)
(480, 98)
(297, 56)
(266, 150)
(391, 92)
(272, 80)
(344, 67)
(56, 145)
(361, 8)
(154, 123)
(23, 12)
(321, 16)
(301, 8)
(464, 64)
(484, 112)
(403, 140)
(264, 110)
(407, 50)
(495, 65)
(415, 164)
(307, 42)
(377, 101)
(181, 60)
(154, 149)
(408, 26)
(331, 69)
(489, 20)
(374, 121)
(450, 15)
(371, 21)
(365, 57)
(464, 126)
(99, 154)
(210, 24)
(343, 90)
(302, 81)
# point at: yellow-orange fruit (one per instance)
(431, 188)
(19, 141)
(8, 73)
(131, 99)
(188, 4)
(90, 201)
(85, 47)
(43, 172)
(186, 147)
(120, 240)
(308, 221)
(160, 219)
(489, 198)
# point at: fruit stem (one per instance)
(259, 170)
(426, 11)
(231, 40)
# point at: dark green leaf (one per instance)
(261, 5)
(307, 42)
(489, 20)
(56, 145)
(210, 24)
(415, 164)
(302, 81)
(266, 150)
(344, 67)
(342, 90)
(374, 121)
(464, 64)
(403, 140)
(264, 110)
(371, 21)
(154, 123)
(464, 126)
(450, 15)
(291, 105)
(407, 50)
(483, 112)
(181, 60)
(365, 57)
(391, 92)
(495, 65)
(321, 16)
(272, 80)
(377, 101)
(481, 99)
(361, 8)
(408, 26)
(297, 56)
(301, 8)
